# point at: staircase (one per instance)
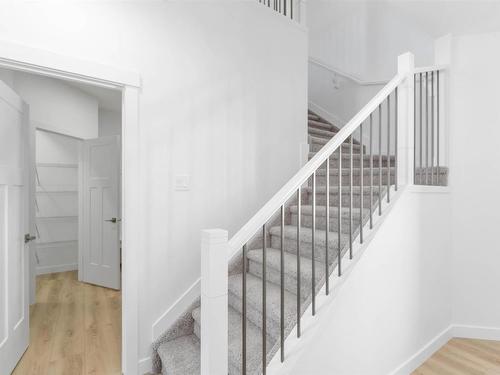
(181, 356)
(280, 259)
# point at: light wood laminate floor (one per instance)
(464, 357)
(75, 328)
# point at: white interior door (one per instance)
(14, 225)
(100, 212)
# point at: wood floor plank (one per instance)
(75, 328)
(464, 357)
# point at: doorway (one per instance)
(76, 314)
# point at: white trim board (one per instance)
(357, 80)
(47, 63)
(169, 317)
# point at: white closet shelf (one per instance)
(58, 217)
(60, 243)
(51, 190)
(57, 165)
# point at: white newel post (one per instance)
(214, 314)
(406, 66)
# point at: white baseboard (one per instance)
(174, 312)
(321, 112)
(144, 366)
(461, 331)
(56, 268)
(425, 353)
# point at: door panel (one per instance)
(15, 135)
(100, 200)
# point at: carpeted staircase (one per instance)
(177, 352)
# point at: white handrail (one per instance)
(430, 68)
(272, 206)
(353, 78)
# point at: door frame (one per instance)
(32, 60)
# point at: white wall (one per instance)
(395, 301)
(221, 102)
(110, 123)
(58, 107)
(475, 177)
(362, 40)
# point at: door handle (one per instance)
(28, 237)
(113, 220)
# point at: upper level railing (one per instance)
(428, 133)
(293, 9)
(344, 187)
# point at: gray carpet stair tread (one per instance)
(321, 211)
(355, 155)
(273, 300)
(324, 140)
(306, 235)
(320, 124)
(273, 261)
(321, 132)
(181, 356)
(356, 171)
(356, 190)
(254, 340)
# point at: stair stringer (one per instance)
(310, 323)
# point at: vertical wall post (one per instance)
(406, 66)
(214, 313)
(443, 57)
(303, 12)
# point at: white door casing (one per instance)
(15, 198)
(100, 212)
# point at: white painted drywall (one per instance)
(361, 39)
(110, 122)
(57, 106)
(475, 177)
(222, 102)
(396, 299)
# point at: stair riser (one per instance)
(316, 145)
(356, 179)
(274, 276)
(290, 246)
(306, 221)
(321, 199)
(316, 132)
(356, 162)
(254, 314)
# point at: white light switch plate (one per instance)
(182, 182)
